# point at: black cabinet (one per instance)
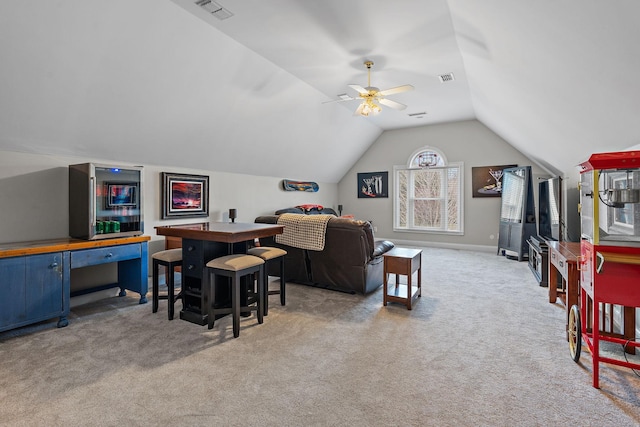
(517, 213)
(539, 260)
(195, 298)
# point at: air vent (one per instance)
(417, 115)
(215, 9)
(446, 77)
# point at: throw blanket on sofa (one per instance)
(303, 231)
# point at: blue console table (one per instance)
(35, 276)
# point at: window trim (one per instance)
(396, 199)
(420, 150)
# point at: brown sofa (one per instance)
(351, 260)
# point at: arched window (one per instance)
(429, 196)
(426, 157)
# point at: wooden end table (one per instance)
(402, 261)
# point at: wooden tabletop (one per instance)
(225, 232)
(64, 244)
(569, 250)
(403, 252)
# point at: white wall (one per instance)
(34, 198)
(468, 141)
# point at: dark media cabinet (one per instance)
(550, 230)
(539, 259)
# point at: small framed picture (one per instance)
(372, 185)
(184, 196)
(123, 194)
(486, 181)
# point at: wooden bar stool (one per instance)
(235, 267)
(170, 259)
(268, 253)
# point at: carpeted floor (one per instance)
(482, 347)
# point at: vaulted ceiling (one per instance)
(166, 82)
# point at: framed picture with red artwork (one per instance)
(184, 196)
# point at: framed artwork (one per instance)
(124, 194)
(184, 196)
(372, 185)
(486, 181)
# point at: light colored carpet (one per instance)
(482, 347)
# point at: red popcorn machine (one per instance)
(610, 257)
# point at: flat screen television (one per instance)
(550, 208)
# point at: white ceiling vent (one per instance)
(215, 9)
(417, 115)
(446, 77)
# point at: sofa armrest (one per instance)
(267, 219)
(290, 210)
(381, 247)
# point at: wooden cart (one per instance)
(615, 273)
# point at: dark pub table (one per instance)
(200, 244)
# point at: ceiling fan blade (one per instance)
(359, 89)
(359, 109)
(393, 104)
(393, 90)
(339, 100)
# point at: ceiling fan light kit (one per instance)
(368, 107)
(372, 97)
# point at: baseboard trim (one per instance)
(444, 245)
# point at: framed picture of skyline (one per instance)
(184, 196)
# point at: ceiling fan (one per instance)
(372, 96)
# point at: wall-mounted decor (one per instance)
(289, 185)
(373, 185)
(486, 181)
(184, 196)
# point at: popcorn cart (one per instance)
(610, 255)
